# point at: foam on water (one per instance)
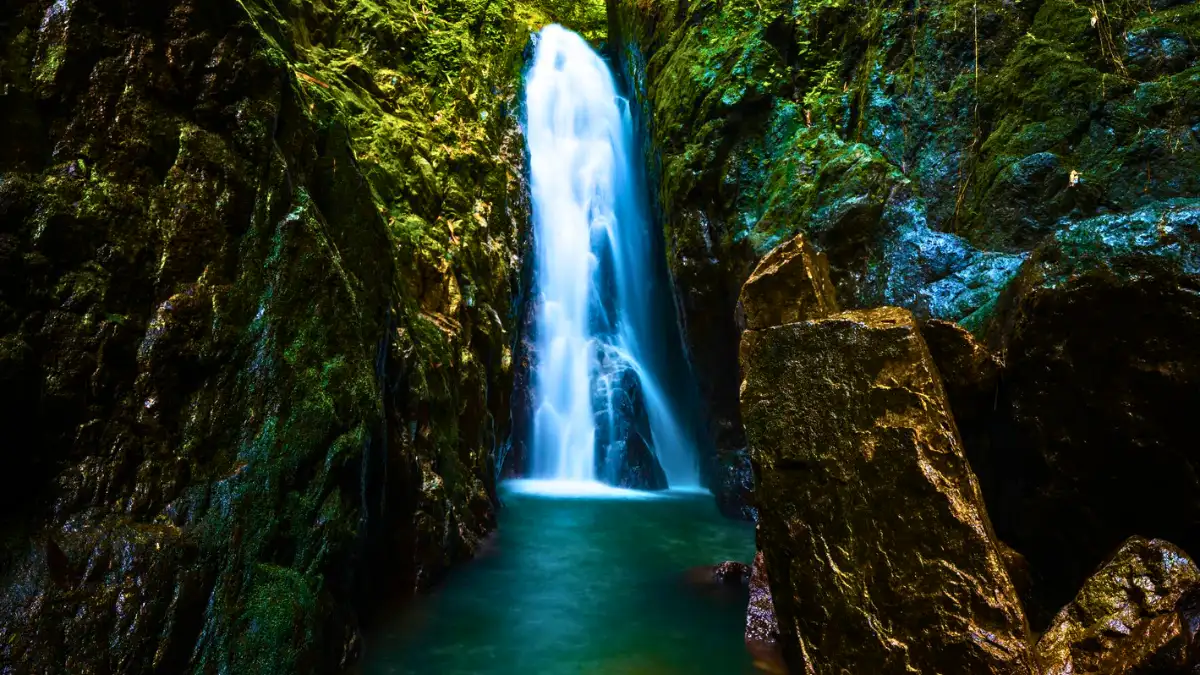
(574, 489)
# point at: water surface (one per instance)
(581, 585)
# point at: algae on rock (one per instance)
(258, 262)
(925, 148)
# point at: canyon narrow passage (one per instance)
(589, 571)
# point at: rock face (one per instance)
(970, 375)
(1093, 439)
(925, 148)
(257, 266)
(761, 626)
(790, 284)
(1137, 614)
(880, 553)
(624, 450)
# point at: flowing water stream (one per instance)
(604, 296)
(583, 577)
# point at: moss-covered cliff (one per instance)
(258, 275)
(925, 147)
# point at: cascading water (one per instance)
(605, 311)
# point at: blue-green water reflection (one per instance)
(581, 586)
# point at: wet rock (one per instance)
(255, 324)
(762, 630)
(734, 485)
(1018, 569)
(866, 498)
(969, 371)
(1093, 441)
(624, 451)
(790, 284)
(1135, 615)
(1156, 50)
(926, 167)
(761, 626)
(730, 573)
(970, 375)
(634, 465)
(1025, 200)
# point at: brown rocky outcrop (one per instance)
(880, 553)
(1136, 615)
(790, 284)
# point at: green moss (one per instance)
(313, 244)
(279, 622)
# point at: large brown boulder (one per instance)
(1135, 615)
(880, 553)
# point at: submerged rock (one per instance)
(873, 529)
(1137, 614)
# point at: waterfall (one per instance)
(605, 319)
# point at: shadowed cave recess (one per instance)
(534, 336)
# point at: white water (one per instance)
(586, 206)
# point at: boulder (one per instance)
(879, 550)
(732, 573)
(790, 284)
(1094, 440)
(633, 465)
(969, 371)
(624, 445)
(1136, 614)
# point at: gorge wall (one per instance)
(1025, 168)
(261, 294)
(259, 281)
